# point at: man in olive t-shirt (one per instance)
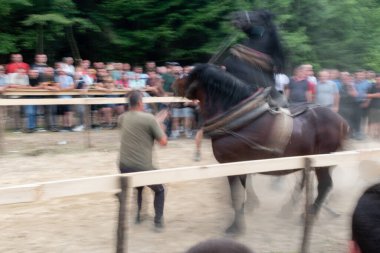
(139, 130)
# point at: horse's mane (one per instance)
(219, 85)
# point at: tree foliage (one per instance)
(335, 34)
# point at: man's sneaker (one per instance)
(65, 129)
(189, 134)
(53, 129)
(30, 130)
(197, 156)
(40, 130)
(79, 128)
(158, 226)
(174, 135)
(17, 131)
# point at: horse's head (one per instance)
(262, 34)
(216, 89)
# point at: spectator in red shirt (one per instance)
(299, 90)
(16, 63)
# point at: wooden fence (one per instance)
(125, 182)
(83, 100)
(73, 187)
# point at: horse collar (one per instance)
(252, 56)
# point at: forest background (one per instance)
(327, 33)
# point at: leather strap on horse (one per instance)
(281, 131)
(237, 122)
(246, 109)
(252, 56)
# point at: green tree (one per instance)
(10, 42)
(334, 34)
(55, 20)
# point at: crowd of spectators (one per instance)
(106, 77)
(355, 96)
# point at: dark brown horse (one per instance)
(244, 127)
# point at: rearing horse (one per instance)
(243, 126)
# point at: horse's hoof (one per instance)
(232, 230)
(235, 230)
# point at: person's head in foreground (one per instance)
(366, 222)
(135, 99)
(219, 246)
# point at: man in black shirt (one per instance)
(31, 110)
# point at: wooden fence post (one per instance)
(87, 125)
(309, 216)
(2, 128)
(122, 246)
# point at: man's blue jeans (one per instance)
(31, 115)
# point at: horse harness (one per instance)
(249, 110)
(252, 56)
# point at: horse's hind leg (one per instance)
(237, 197)
(324, 187)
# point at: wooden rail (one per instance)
(72, 101)
(63, 188)
(125, 183)
(85, 101)
(76, 92)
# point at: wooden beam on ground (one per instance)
(62, 188)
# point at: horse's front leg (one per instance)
(324, 187)
(237, 197)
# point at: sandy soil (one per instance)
(194, 210)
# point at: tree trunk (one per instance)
(73, 43)
(40, 39)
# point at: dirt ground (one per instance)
(194, 210)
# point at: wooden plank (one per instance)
(43, 92)
(85, 101)
(56, 189)
(334, 158)
(247, 167)
(77, 92)
(62, 188)
(19, 194)
(212, 171)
